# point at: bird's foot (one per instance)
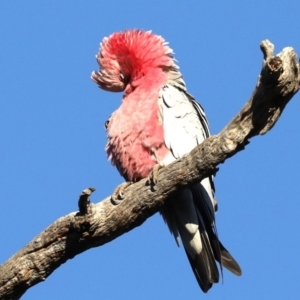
(152, 178)
(118, 193)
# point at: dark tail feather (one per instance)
(200, 271)
(221, 254)
(204, 265)
(208, 253)
(191, 215)
(229, 262)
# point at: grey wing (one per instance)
(185, 126)
(191, 214)
(183, 120)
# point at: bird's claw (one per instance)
(118, 193)
(152, 178)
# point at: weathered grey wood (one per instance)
(97, 224)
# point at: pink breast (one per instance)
(136, 138)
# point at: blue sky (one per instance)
(52, 143)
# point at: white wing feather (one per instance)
(183, 130)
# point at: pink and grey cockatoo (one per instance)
(157, 123)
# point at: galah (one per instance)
(157, 123)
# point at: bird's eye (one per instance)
(121, 77)
(106, 123)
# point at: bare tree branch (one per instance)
(97, 224)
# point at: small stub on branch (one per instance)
(84, 201)
(267, 49)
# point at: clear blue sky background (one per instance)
(52, 143)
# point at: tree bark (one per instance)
(97, 224)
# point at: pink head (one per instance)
(129, 55)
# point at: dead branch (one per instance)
(97, 224)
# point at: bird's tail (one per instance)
(192, 217)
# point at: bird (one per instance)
(157, 123)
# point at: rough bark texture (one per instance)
(97, 224)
